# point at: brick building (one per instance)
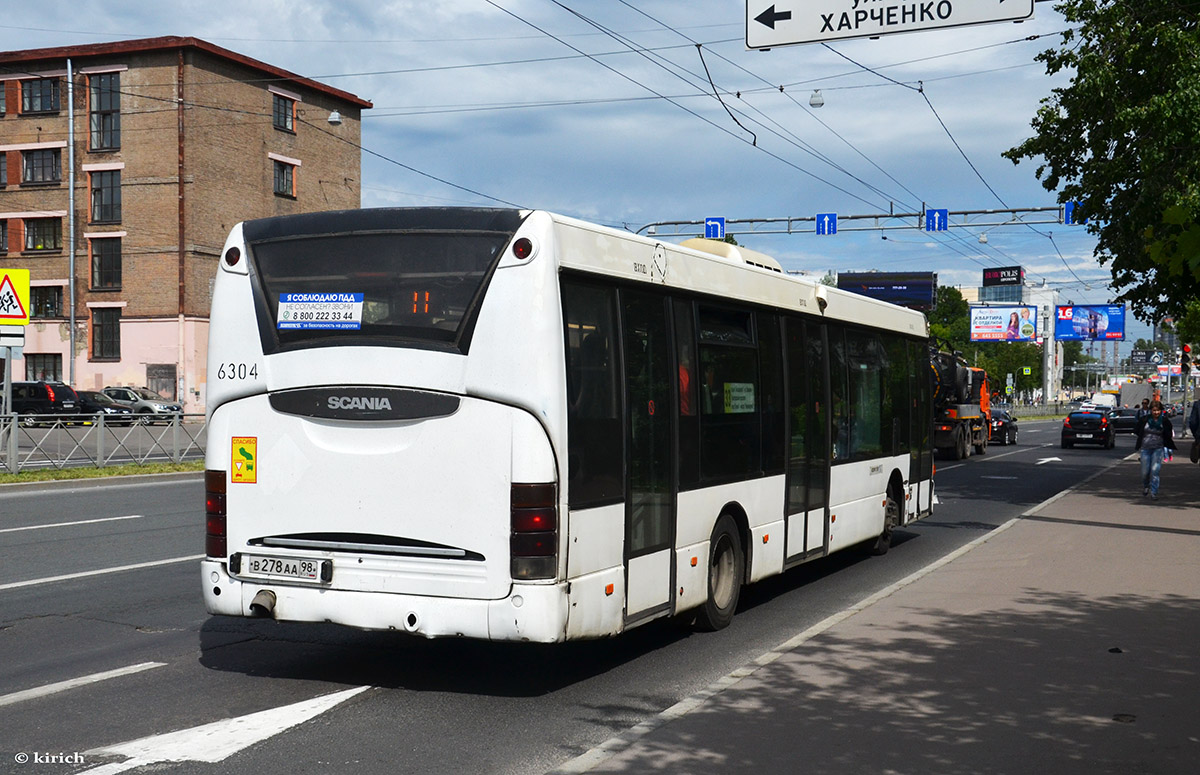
(174, 141)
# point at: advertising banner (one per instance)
(1005, 275)
(1003, 324)
(915, 290)
(1087, 323)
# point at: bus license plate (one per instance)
(286, 567)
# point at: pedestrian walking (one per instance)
(1154, 435)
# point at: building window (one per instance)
(40, 95)
(285, 179)
(106, 333)
(3, 166)
(106, 196)
(284, 113)
(43, 366)
(105, 111)
(3, 100)
(3, 236)
(45, 301)
(43, 234)
(43, 165)
(106, 262)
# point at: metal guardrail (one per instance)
(30, 441)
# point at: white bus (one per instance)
(513, 425)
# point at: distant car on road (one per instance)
(93, 402)
(148, 405)
(1123, 420)
(1004, 427)
(1088, 427)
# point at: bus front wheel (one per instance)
(726, 569)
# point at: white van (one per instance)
(1106, 401)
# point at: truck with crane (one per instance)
(961, 405)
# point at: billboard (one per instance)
(1088, 323)
(1005, 275)
(1004, 324)
(915, 290)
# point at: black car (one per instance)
(44, 398)
(1123, 420)
(1004, 427)
(93, 402)
(1091, 427)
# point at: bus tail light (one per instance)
(534, 543)
(214, 511)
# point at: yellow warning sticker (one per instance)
(243, 458)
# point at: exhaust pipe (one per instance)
(263, 605)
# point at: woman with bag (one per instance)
(1154, 434)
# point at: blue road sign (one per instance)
(714, 228)
(1069, 214)
(826, 223)
(937, 220)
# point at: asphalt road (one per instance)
(427, 706)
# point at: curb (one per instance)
(619, 743)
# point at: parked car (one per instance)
(1004, 427)
(148, 405)
(1088, 428)
(93, 402)
(1123, 420)
(44, 398)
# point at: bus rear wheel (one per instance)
(891, 521)
(726, 569)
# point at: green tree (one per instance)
(1121, 140)
(950, 320)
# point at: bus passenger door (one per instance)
(650, 507)
(809, 458)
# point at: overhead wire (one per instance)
(936, 236)
(676, 103)
(962, 152)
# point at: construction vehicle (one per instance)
(961, 406)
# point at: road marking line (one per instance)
(215, 742)
(101, 572)
(995, 457)
(62, 686)
(69, 524)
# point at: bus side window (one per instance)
(594, 434)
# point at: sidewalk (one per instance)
(1067, 643)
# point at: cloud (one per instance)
(623, 129)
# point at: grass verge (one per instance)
(62, 474)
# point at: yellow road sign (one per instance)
(14, 297)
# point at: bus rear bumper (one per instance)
(531, 612)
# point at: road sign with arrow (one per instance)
(788, 22)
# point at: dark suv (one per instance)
(44, 398)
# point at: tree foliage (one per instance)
(1123, 140)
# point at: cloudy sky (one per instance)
(602, 109)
